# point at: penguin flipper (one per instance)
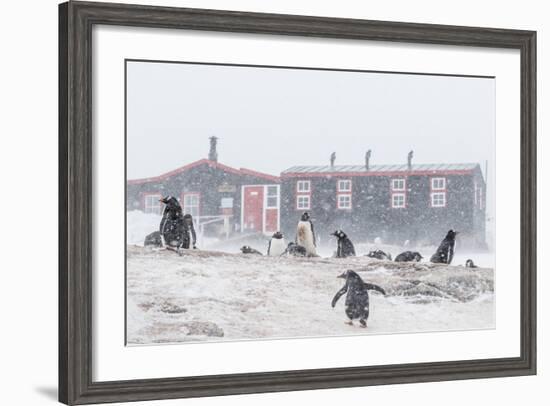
(339, 294)
(372, 286)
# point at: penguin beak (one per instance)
(343, 276)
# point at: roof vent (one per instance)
(332, 159)
(213, 154)
(409, 159)
(367, 159)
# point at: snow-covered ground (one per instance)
(211, 295)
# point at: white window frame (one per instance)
(300, 186)
(437, 180)
(156, 207)
(398, 189)
(189, 208)
(398, 206)
(275, 195)
(300, 204)
(434, 195)
(341, 189)
(339, 204)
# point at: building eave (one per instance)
(211, 164)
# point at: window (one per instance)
(227, 203)
(398, 184)
(344, 185)
(438, 184)
(344, 201)
(343, 194)
(398, 200)
(398, 193)
(303, 186)
(272, 197)
(303, 202)
(303, 195)
(438, 192)
(191, 204)
(152, 204)
(439, 199)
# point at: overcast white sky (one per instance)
(270, 119)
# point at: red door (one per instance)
(253, 208)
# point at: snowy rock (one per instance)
(171, 308)
(203, 328)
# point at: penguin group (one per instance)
(305, 244)
(176, 230)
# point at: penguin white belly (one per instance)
(277, 247)
(304, 237)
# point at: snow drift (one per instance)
(209, 295)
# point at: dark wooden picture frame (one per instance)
(76, 20)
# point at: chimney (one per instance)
(367, 160)
(409, 159)
(332, 159)
(213, 154)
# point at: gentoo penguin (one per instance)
(171, 224)
(409, 256)
(379, 254)
(470, 264)
(277, 245)
(357, 299)
(295, 250)
(246, 249)
(189, 234)
(153, 240)
(345, 246)
(305, 235)
(446, 250)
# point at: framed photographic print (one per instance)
(258, 202)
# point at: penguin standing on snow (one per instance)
(171, 225)
(470, 264)
(446, 250)
(188, 232)
(277, 245)
(357, 299)
(345, 246)
(305, 235)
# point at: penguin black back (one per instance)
(345, 246)
(446, 250)
(357, 298)
(408, 256)
(470, 264)
(246, 249)
(379, 254)
(295, 250)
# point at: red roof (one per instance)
(211, 164)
